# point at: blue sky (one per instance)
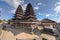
(42, 8)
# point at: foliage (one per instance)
(0, 21)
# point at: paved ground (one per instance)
(13, 34)
(58, 33)
(9, 35)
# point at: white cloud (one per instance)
(57, 7)
(0, 9)
(58, 3)
(57, 10)
(47, 15)
(14, 3)
(13, 11)
(36, 8)
(39, 3)
(24, 6)
(40, 13)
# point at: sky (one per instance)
(43, 8)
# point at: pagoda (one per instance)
(29, 14)
(24, 19)
(18, 16)
(19, 13)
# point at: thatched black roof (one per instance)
(46, 20)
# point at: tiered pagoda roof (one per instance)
(25, 17)
(19, 13)
(29, 14)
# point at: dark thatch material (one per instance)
(46, 20)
